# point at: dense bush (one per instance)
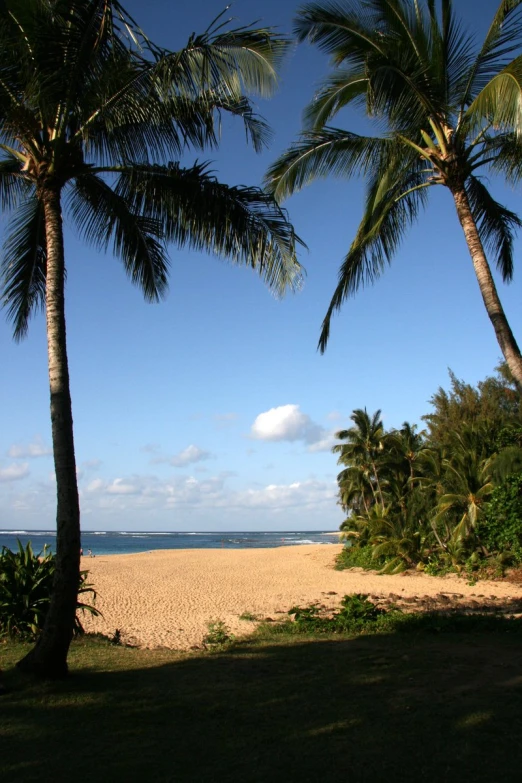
(26, 581)
(357, 612)
(501, 528)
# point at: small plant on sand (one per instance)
(249, 617)
(357, 613)
(218, 636)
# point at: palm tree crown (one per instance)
(97, 119)
(450, 112)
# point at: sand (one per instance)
(166, 598)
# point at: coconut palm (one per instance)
(468, 487)
(450, 112)
(363, 448)
(94, 120)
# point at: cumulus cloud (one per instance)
(180, 501)
(211, 493)
(28, 450)
(286, 423)
(188, 456)
(14, 472)
(121, 487)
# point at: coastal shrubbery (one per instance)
(446, 498)
(26, 580)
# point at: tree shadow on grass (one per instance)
(389, 707)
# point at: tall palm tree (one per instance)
(451, 112)
(94, 119)
(363, 449)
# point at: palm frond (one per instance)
(344, 30)
(241, 59)
(505, 154)
(23, 266)
(394, 197)
(496, 225)
(501, 41)
(244, 225)
(337, 91)
(499, 103)
(12, 185)
(102, 215)
(321, 153)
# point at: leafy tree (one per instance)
(493, 405)
(450, 112)
(94, 119)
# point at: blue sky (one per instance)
(213, 410)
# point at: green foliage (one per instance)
(501, 528)
(357, 557)
(26, 581)
(446, 500)
(357, 613)
(218, 636)
(249, 617)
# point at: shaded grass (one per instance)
(417, 706)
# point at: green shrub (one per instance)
(358, 557)
(218, 635)
(500, 530)
(26, 581)
(357, 613)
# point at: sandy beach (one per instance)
(166, 598)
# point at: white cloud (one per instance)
(287, 423)
(121, 487)
(14, 472)
(325, 444)
(187, 502)
(211, 493)
(188, 456)
(24, 451)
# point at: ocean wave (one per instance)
(16, 532)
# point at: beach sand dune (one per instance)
(166, 598)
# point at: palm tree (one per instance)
(450, 111)
(94, 119)
(363, 449)
(468, 487)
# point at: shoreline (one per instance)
(166, 598)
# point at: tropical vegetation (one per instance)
(26, 580)
(448, 114)
(96, 122)
(449, 496)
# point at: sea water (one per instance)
(105, 542)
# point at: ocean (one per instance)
(119, 543)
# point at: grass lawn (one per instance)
(417, 706)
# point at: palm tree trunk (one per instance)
(376, 474)
(48, 659)
(505, 337)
